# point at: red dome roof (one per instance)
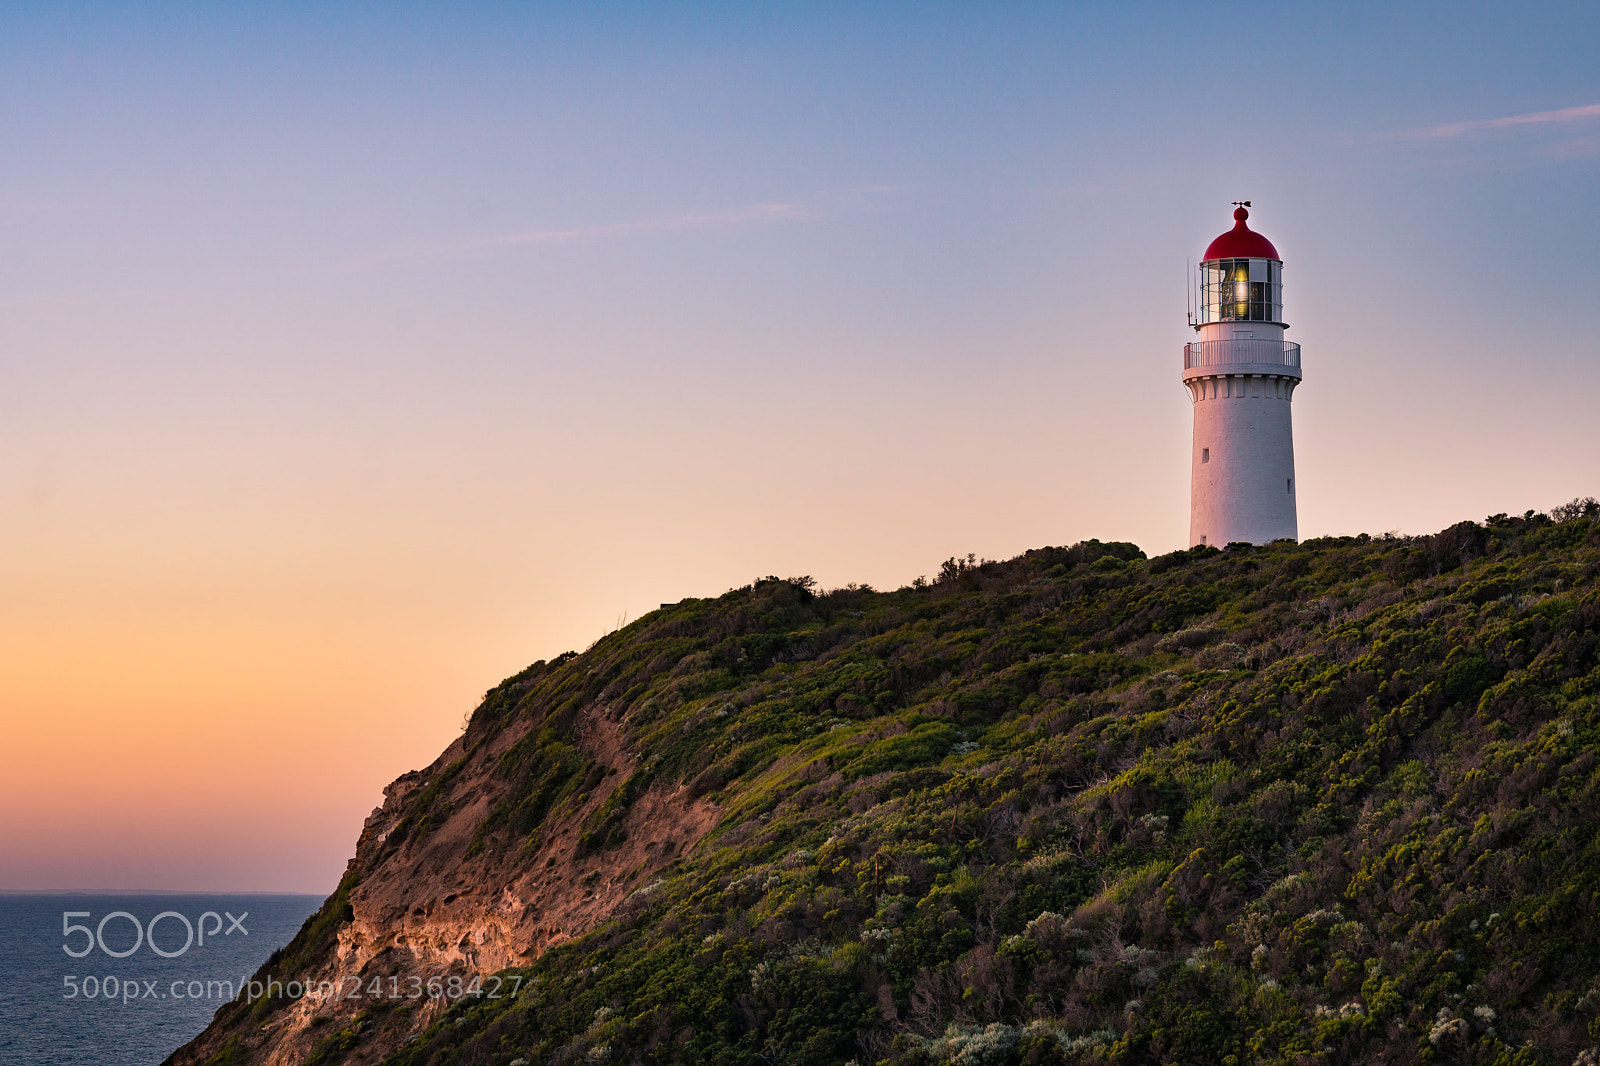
(1241, 242)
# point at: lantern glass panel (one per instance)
(1241, 290)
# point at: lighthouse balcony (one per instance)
(1241, 355)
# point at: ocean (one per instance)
(127, 979)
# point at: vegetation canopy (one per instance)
(1321, 802)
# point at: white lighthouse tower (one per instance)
(1241, 374)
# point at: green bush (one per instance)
(1279, 804)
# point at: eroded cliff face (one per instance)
(432, 899)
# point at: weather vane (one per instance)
(1241, 203)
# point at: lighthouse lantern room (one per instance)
(1241, 375)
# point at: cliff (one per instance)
(1332, 801)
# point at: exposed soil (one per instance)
(439, 908)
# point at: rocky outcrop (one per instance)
(437, 896)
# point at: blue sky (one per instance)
(352, 357)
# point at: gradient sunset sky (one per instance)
(354, 356)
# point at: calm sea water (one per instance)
(130, 987)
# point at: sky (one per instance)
(353, 357)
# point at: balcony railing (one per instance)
(1240, 350)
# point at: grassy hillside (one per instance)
(1327, 802)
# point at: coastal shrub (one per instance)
(1329, 801)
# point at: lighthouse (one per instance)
(1241, 375)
